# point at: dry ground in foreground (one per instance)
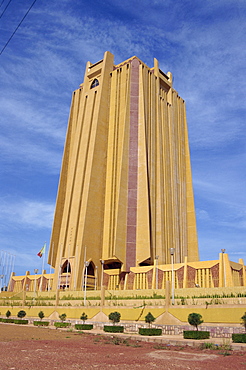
(23, 348)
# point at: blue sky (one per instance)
(201, 42)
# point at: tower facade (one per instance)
(125, 194)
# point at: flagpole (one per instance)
(75, 268)
(42, 272)
(67, 266)
(83, 278)
(51, 262)
(44, 257)
(12, 265)
(59, 267)
(50, 271)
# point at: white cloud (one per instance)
(201, 214)
(31, 214)
(30, 153)
(27, 117)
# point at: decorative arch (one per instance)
(66, 267)
(94, 83)
(89, 279)
(91, 269)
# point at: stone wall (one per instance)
(215, 331)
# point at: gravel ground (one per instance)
(27, 347)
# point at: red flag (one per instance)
(42, 250)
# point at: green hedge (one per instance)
(113, 329)
(62, 324)
(20, 322)
(41, 323)
(195, 334)
(8, 320)
(149, 331)
(83, 326)
(239, 338)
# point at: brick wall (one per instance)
(215, 274)
(180, 276)
(191, 275)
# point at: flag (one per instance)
(42, 250)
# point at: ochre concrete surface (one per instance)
(214, 314)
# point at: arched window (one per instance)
(66, 267)
(95, 83)
(91, 269)
(89, 279)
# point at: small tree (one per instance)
(62, 317)
(8, 314)
(149, 318)
(41, 315)
(83, 317)
(195, 319)
(243, 318)
(115, 317)
(21, 314)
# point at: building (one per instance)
(125, 215)
(125, 195)
(214, 277)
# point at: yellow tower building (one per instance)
(125, 195)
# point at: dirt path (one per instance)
(24, 348)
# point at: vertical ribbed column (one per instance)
(132, 168)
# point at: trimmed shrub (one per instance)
(63, 316)
(21, 314)
(11, 321)
(20, 322)
(62, 324)
(195, 319)
(113, 329)
(149, 318)
(41, 323)
(114, 317)
(239, 338)
(243, 318)
(149, 331)
(83, 317)
(41, 315)
(194, 334)
(83, 326)
(8, 314)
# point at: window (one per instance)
(95, 83)
(66, 267)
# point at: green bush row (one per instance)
(14, 321)
(41, 323)
(7, 320)
(239, 338)
(195, 334)
(149, 331)
(62, 324)
(21, 322)
(83, 326)
(113, 329)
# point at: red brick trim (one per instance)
(132, 168)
